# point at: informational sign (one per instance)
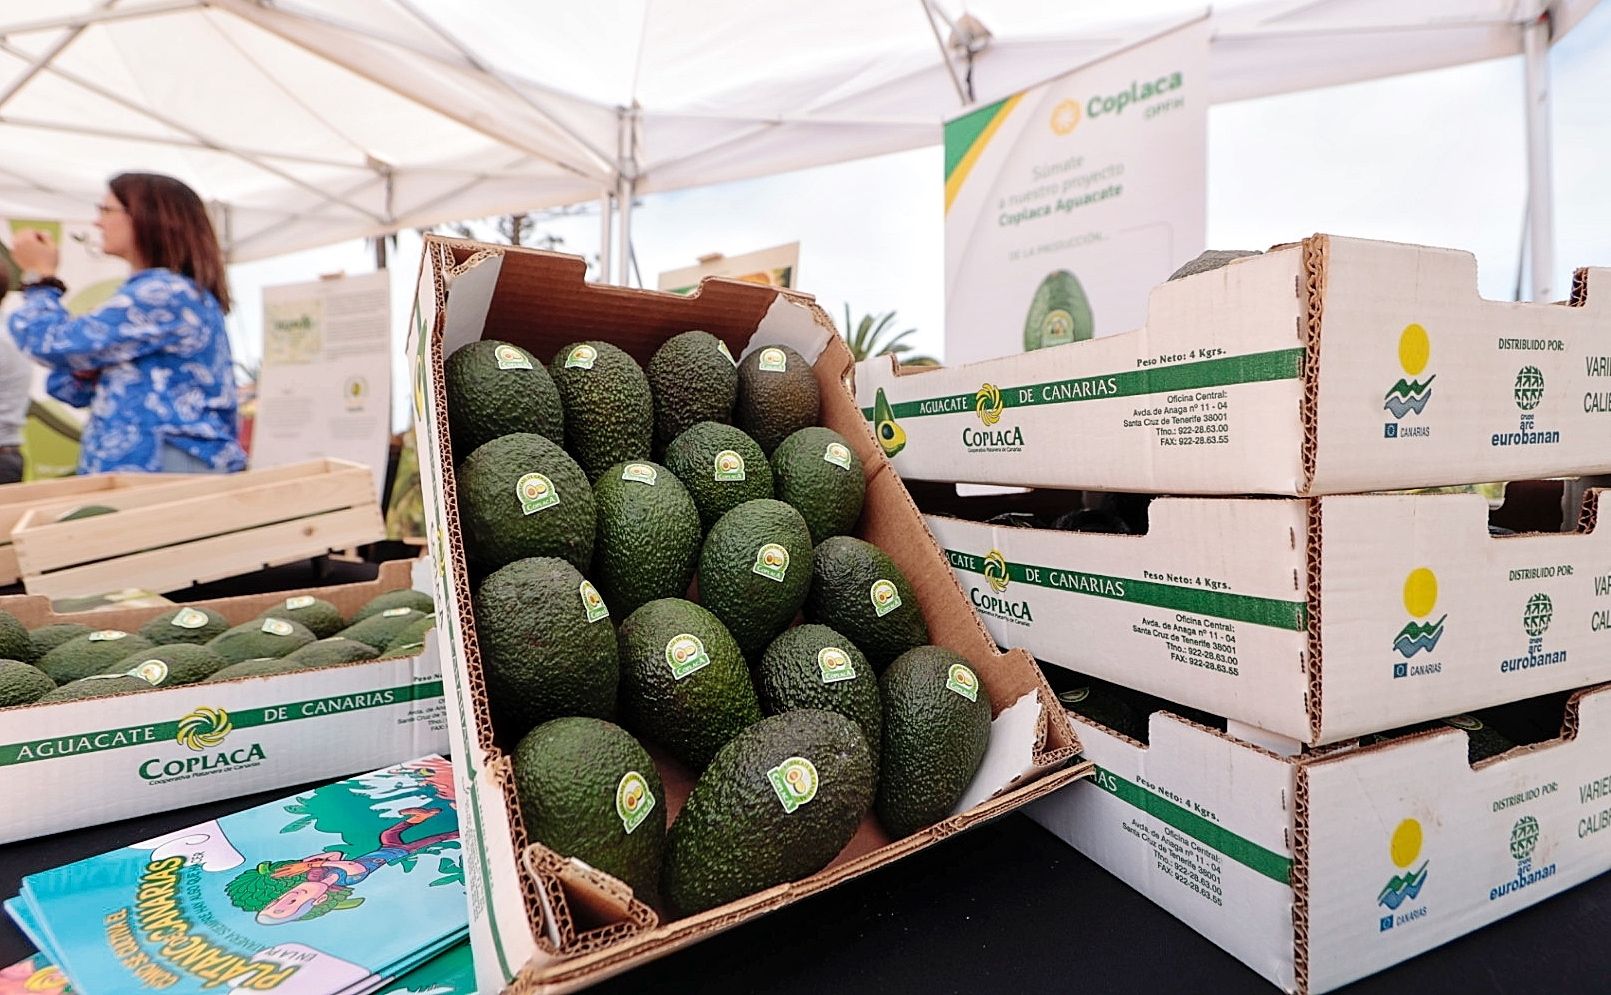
(778, 266)
(1067, 202)
(325, 389)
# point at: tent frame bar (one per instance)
(1540, 178)
(99, 16)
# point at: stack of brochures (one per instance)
(354, 887)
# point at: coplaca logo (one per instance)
(1410, 393)
(995, 571)
(1066, 117)
(1404, 887)
(987, 404)
(1418, 634)
(204, 729)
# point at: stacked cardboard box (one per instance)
(1277, 774)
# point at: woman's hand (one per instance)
(35, 252)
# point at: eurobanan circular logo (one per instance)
(987, 403)
(1523, 837)
(1529, 388)
(1538, 614)
(1065, 116)
(204, 729)
(995, 571)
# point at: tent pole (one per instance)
(623, 233)
(1540, 181)
(606, 208)
(945, 54)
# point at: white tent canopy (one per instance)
(314, 121)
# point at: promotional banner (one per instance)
(1067, 202)
(775, 267)
(325, 389)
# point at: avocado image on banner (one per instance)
(1058, 314)
(684, 682)
(48, 637)
(755, 571)
(891, 437)
(405, 598)
(522, 496)
(547, 645)
(693, 378)
(92, 653)
(588, 790)
(259, 638)
(817, 473)
(858, 590)
(15, 642)
(331, 650)
(321, 617)
(495, 388)
(777, 395)
(936, 728)
(379, 630)
(812, 666)
(648, 536)
(776, 804)
(171, 665)
(185, 624)
(95, 686)
(22, 683)
(609, 413)
(721, 467)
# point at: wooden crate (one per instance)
(16, 500)
(204, 528)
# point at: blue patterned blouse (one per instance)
(166, 373)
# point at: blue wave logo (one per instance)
(1418, 637)
(1403, 888)
(1407, 396)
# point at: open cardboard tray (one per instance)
(540, 921)
(196, 529)
(1331, 366)
(1320, 869)
(1316, 619)
(79, 763)
(17, 500)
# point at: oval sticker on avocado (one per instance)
(305, 601)
(581, 357)
(794, 781)
(884, 596)
(593, 604)
(685, 654)
(771, 562)
(536, 492)
(835, 665)
(153, 672)
(721, 347)
(837, 454)
(277, 627)
(395, 612)
(729, 466)
(643, 473)
(510, 358)
(189, 618)
(106, 635)
(774, 360)
(633, 800)
(962, 680)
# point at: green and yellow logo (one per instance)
(1404, 848)
(1538, 614)
(838, 454)
(643, 473)
(728, 465)
(891, 437)
(884, 596)
(633, 800)
(153, 672)
(963, 681)
(1065, 117)
(276, 627)
(774, 360)
(535, 492)
(510, 358)
(190, 618)
(685, 654)
(1410, 393)
(593, 602)
(581, 357)
(203, 729)
(291, 604)
(835, 665)
(987, 404)
(794, 781)
(995, 571)
(1420, 598)
(771, 562)
(1529, 389)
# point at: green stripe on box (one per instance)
(1283, 364)
(124, 737)
(1277, 614)
(1244, 851)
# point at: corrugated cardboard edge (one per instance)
(580, 956)
(1311, 296)
(1313, 554)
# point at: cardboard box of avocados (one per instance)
(543, 922)
(1316, 619)
(1332, 366)
(78, 763)
(1320, 869)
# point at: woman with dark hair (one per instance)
(153, 363)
